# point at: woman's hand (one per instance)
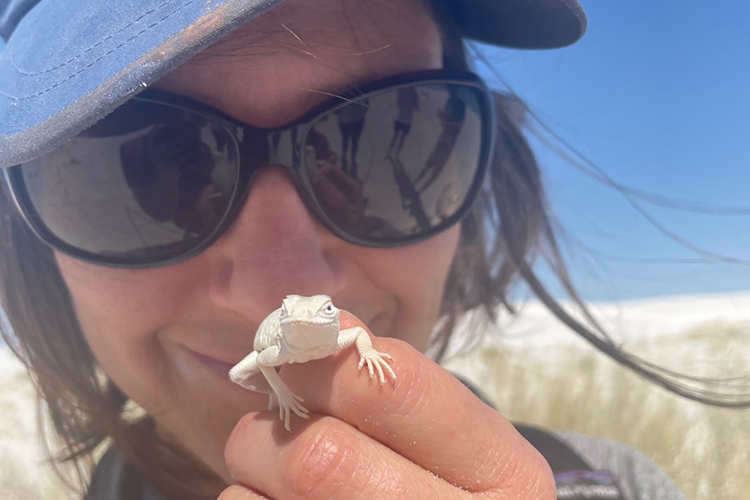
(424, 437)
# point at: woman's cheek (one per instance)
(419, 271)
(127, 295)
(415, 276)
(121, 313)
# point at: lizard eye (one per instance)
(329, 309)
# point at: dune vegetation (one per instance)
(704, 449)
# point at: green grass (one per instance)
(705, 450)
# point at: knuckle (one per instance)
(236, 445)
(527, 474)
(414, 387)
(236, 492)
(547, 488)
(540, 484)
(541, 480)
(323, 461)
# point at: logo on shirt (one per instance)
(587, 485)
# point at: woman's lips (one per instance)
(201, 370)
(216, 366)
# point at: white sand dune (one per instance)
(647, 318)
(23, 473)
(660, 320)
(675, 332)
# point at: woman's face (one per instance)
(168, 336)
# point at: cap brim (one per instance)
(94, 57)
(522, 24)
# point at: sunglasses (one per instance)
(157, 181)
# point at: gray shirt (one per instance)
(638, 476)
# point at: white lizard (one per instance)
(302, 329)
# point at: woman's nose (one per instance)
(274, 248)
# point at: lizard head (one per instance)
(309, 322)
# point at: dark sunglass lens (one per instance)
(145, 183)
(400, 163)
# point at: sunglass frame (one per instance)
(295, 135)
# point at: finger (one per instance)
(427, 416)
(325, 459)
(237, 492)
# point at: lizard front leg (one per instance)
(265, 363)
(242, 371)
(267, 360)
(288, 401)
(245, 374)
(367, 354)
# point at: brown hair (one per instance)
(87, 410)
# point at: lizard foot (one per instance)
(288, 403)
(377, 361)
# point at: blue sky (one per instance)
(656, 94)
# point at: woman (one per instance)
(131, 323)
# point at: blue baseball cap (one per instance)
(68, 63)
